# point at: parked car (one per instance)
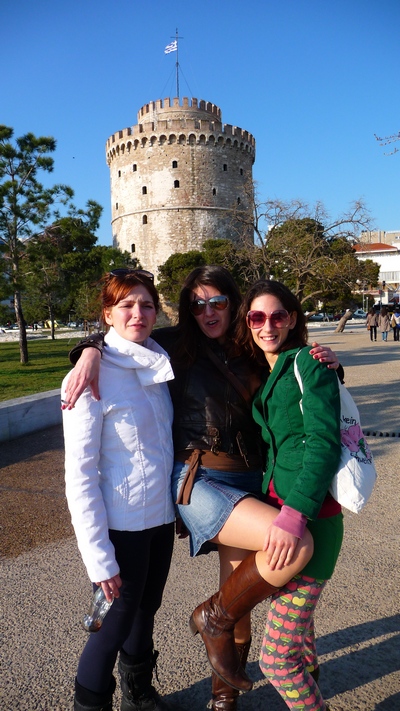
(359, 313)
(320, 316)
(315, 317)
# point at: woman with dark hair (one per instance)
(372, 323)
(301, 432)
(118, 461)
(384, 323)
(217, 474)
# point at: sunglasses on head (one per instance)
(219, 303)
(133, 272)
(257, 319)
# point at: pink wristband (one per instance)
(291, 521)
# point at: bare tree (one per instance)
(300, 245)
(388, 140)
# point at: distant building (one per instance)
(388, 258)
(175, 177)
(375, 236)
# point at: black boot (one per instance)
(86, 700)
(136, 676)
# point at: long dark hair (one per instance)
(297, 336)
(189, 335)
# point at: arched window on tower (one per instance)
(144, 190)
(238, 201)
(134, 167)
(119, 173)
(174, 163)
(214, 191)
(241, 171)
(116, 206)
(144, 220)
(133, 248)
(225, 167)
(176, 183)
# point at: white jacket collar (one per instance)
(150, 361)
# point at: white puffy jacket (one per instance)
(118, 451)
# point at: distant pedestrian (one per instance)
(384, 323)
(395, 323)
(372, 323)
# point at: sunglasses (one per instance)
(219, 303)
(278, 319)
(133, 272)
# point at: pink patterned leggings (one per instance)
(288, 653)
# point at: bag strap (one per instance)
(298, 378)
(233, 379)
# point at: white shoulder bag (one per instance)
(354, 481)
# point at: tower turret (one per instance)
(175, 177)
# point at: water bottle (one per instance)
(98, 609)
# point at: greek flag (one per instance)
(173, 47)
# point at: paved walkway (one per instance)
(44, 588)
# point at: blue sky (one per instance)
(312, 80)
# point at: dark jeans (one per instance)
(396, 333)
(372, 333)
(144, 558)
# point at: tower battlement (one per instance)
(174, 106)
(197, 121)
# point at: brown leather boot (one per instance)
(215, 619)
(224, 697)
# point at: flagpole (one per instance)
(177, 65)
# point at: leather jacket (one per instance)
(209, 413)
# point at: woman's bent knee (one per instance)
(306, 549)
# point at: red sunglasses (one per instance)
(278, 319)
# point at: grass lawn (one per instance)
(48, 363)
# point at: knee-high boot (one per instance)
(215, 619)
(224, 697)
(138, 693)
(86, 700)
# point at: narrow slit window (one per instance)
(144, 190)
(176, 183)
(144, 220)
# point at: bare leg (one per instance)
(252, 581)
(246, 528)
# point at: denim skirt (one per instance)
(214, 495)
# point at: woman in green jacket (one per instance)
(302, 438)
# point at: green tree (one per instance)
(98, 261)
(63, 262)
(175, 270)
(214, 251)
(25, 205)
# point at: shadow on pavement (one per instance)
(33, 508)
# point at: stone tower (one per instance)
(175, 177)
